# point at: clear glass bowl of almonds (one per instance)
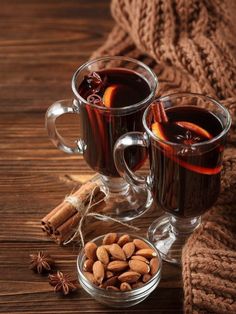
(118, 269)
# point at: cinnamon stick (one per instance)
(68, 224)
(62, 221)
(46, 229)
(45, 219)
(65, 210)
(66, 230)
(159, 113)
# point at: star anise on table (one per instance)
(41, 262)
(62, 283)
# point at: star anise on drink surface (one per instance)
(188, 138)
(41, 262)
(95, 82)
(62, 283)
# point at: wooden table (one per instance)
(41, 45)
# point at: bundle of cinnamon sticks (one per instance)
(62, 222)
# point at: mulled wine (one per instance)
(105, 91)
(185, 134)
(110, 96)
(186, 179)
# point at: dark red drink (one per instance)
(111, 89)
(186, 178)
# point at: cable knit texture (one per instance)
(191, 46)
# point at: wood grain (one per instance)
(41, 45)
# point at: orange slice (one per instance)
(195, 128)
(169, 152)
(109, 95)
(158, 131)
(198, 169)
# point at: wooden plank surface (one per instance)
(41, 45)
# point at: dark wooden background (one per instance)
(41, 45)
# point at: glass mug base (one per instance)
(123, 201)
(169, 234)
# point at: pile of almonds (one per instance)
(120, 263)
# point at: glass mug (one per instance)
(184, 178)
(100, 127)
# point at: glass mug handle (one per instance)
(54, 111)
(125, 141)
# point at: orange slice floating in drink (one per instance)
(194, 128)
(109, 94)
(169, 152)
(158, 131)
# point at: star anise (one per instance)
(94, 82)
(188, 138)
(41, 262)
(62, 283)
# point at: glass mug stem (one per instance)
(125, 141)
(184, 226)
(178, 225)
(55, 111)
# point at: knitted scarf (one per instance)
(191, 46)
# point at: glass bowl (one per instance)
(118, 299)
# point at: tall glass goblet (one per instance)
(101, 126)
(185, 157)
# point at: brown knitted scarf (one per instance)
(191, 46)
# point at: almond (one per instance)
(148, 253)
(89, 276)
(154, 265)
(140, 258)
(117, 265)
(110, 238)
(102, 255)
(90, 250)
(128, 249)
(106, 246)
(113, 288)
(109, 274)
(98, 272)
(88, 265)
(139, 266)
(125, 238)
(117, 252)
(137, 285)
(146, 277)
(110, 282)
(140, 244)
(129, 276)
(125, 286)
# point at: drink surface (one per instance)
(117, 88)
(112, 88)
(186, 177)
(190, 125)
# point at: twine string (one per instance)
(76, 202)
